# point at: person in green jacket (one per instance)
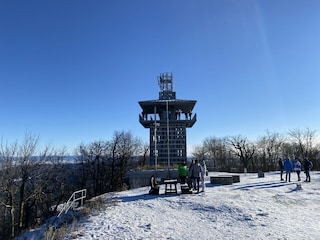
(183, 172)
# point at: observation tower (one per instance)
(167, 118)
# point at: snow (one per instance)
(254, 208)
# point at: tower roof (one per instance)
(183, 105)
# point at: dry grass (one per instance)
(68, 229)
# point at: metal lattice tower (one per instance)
(165, 82)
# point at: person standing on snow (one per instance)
(195, 171)
(297, 168)
(183, 172)
(288, 167)
(281, 169)
(189, 179)
(203, 173)
(307, 165)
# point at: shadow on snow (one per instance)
(264, 185)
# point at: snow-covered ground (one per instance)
(254, 208)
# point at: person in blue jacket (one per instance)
(288, 167)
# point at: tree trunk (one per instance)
(21, 205)
(12, 215)
(21, 213)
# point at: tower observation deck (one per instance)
(167, 118)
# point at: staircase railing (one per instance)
(75, 197)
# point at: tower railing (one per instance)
(147, 122)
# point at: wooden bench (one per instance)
(170, 186)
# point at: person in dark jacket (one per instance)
(189, 178)
(194, 171)
(288, 167)
(307, 165)
(281, 169)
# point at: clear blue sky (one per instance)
(73, 71)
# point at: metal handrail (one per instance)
(74, 198)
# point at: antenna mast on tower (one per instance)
(165, 81)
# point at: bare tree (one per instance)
(7, 182)
(18, 168)
(303, 142)
(145, 151)
(97, 151)
(23, 176)
(216, 153)
(122, 147)
(92, 158)
(54, 184)
(269, 150)
(245, 150)
(27, 162)
(104, 163)
(200, 152)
